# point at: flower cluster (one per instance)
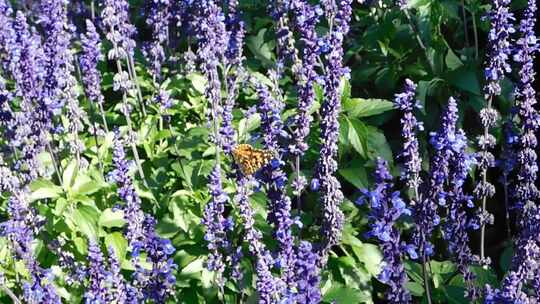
(331, 196)
(270, 110)
(216, 225)
(527, 46)
(497, 66)
(89, 59)
(458, 223)
(158, 19)
(157, 282)
(306, 18)
(386, 209)
(119, 30)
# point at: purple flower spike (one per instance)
(214, 221)
(89, 59)
(386, 209)
(330, 189)
(97, 291)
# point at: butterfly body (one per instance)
(250, 159)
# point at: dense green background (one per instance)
(382, 50)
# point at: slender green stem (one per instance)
(55, 164)
(92, 10)
(425, 259)
(130, 128)
(465, 28)
(475, 31)
(10, 294)
(133, 75)
(102, 112)
(418, 39)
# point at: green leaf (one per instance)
(452, 60)
(454, 294)
(371, 256)
(119, 244)
(85, 185)
(414, 270)
(343, 294)
(357, 136)
(109, 219)
(70, 174)
(360, 107)
(198, 82)
(355, 174)
(43, 188)
(195, 266)
(415, 288)
(506, 258)
(484, 276)
(85, 219)
(259, 48)
(465, 79)
(377, 145)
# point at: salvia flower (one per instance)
(119, 30)
(270, 109)
(163, 99)
(307, 276)
(53, 20)
(497, 66)
(7, 36)
(157, 283)
(132, 209)
(458, 223)
(500, 50)
(406, 102)
(306, 18)
(117, 285)
(267, 285)
(527, 167)
(212, 39)
(214, 221)
(89, 59)
(158, 20)
(286, 50)
(386, 207)
(445, 142)
(33, 119)
(97, 291)
(331, 195)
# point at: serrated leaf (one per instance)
(85, 219)
(415, 288)
(84, 185)
(195, 266)
(198, 82)
(110, 218)
(343, 294)
(70, 174)
(357, 136)
(119, 244)
(360, 107)
(371, 256)
(43, 188)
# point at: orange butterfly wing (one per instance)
(250, 159)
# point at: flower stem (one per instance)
(130, 129)
(133, 76)
(10, 294)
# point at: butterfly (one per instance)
(250, 159)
